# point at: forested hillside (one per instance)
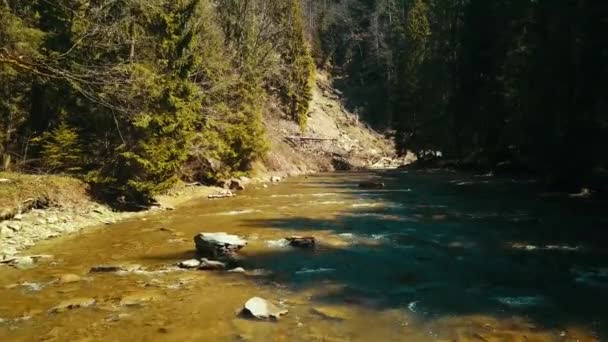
(132, 94)
(513, 84)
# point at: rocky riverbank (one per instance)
(25, 228)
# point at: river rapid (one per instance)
(434, 256)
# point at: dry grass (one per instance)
(62, 191)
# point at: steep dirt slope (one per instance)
(334, 138)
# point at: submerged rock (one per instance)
(137, 299)
(71, 304)
(105, 269)
(218, 245)
(114, 268)
(371, 185)
(330, 313)
(301, 241)
(262, 309)
(68, 278)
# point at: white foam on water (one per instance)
(315, 270)
(564, 248)
(239, 212)
(326, 202)
(413, 305)
(520, 302)
(597, 277)
(281, 243)
(365, 205)
(285, 196)
(347, 235)
(323, 194)
(378, 236)
(368, 192)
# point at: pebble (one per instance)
(14, 226)
(192, 263)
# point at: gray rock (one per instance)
(23, 262)
(236, 184)
(262, 309)
(221, 194)
(192, 263)
(237, 270)
(211, 265)
(71, 304)
(301, 241)
(218, 245)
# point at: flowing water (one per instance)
(432, 257)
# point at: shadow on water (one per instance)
(448, 244)
(456, 247)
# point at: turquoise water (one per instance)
(454, 244)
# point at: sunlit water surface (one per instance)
(432, 257)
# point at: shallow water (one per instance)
(433, 257)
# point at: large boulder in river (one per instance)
(301, 241)
(262, 309)
(218, 245)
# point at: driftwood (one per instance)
(310, 139)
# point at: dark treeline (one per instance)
(133, 94)
(518, 84)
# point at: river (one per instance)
(434, 256)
